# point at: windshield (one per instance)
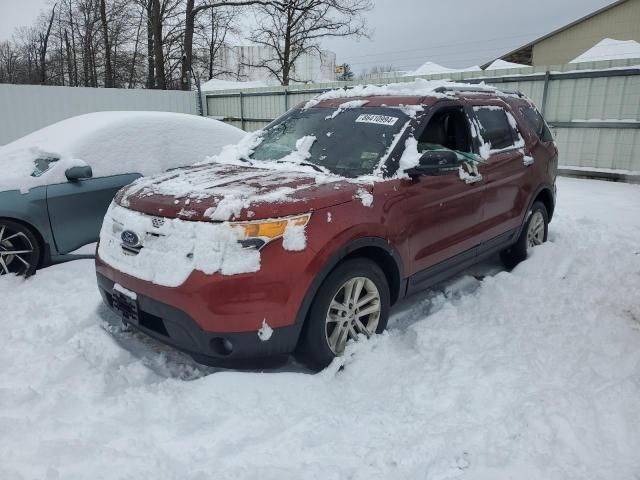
(350, 142)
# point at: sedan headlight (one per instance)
(259, 233)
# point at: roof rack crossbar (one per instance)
(472, 89)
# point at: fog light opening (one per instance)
(221, 346)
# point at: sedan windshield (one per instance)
(350, 142)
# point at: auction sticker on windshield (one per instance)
(377, 119)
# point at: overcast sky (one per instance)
(407, 33)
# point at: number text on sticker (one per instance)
(377, 119)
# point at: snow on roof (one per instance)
(431, 68)
(418, 88)
(610, 49)
(215, 84)
(502, 64)
(113, 143)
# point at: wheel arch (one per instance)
(375, 249)
(547, 198)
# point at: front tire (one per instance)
(353, 300)
(534, 233)
(19, 249)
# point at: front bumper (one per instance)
(176, 328)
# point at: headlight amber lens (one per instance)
(267, 230)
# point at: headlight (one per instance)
(259, 233)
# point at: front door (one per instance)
(444, 211)
(77, 208)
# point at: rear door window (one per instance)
(537, 123)
(495, 127)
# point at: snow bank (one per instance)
(531, 374)
(114, 143)
(610, 49)
(502, 64)
(431, 68)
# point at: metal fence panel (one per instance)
(608, 148)
(25, 108)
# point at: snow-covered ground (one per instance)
(533, 374)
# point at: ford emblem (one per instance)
(130, 239)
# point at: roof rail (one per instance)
(477, 89)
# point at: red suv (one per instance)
(302, 237)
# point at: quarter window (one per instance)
(537, 123)
(494, 127)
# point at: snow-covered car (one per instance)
(56, 183)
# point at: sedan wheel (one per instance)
(354, 310)
(19, 252)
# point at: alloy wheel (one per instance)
(16, 251)
(354, 310)
(535, 233)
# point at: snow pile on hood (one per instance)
(610, 49)
(174, 248)
(113, 143)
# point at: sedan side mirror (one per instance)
(74, 174)
(435, 162)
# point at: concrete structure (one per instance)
(619, 20)
(241, 63)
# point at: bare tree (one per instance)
(9, 58)
(44, 44)
(296, 27)
(108, 69)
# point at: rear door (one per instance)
(505, 169)
(77, 208)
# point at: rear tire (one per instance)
(353, 300)
(19, 249)
(534, 233)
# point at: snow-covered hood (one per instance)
(217, 192)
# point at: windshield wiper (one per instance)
(306, 164)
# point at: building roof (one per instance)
(555, 32)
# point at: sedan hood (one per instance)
(216, 192)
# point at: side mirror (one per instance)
(435, 162)
(74, 174)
